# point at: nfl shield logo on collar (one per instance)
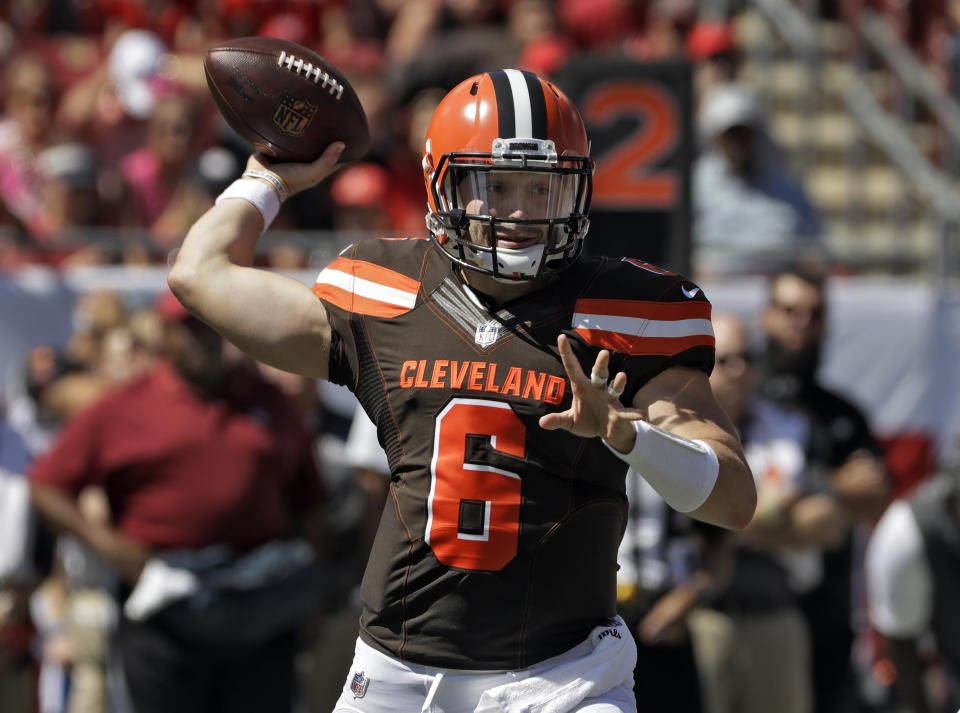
(487, 333)
(358, 686)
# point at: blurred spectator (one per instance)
(28, 126)
(128, 351)
(668, 24)
(749, 214)
(843, 464)
(288, 26)
(51, 386)
(420, 23)
(712, 47)
(217, 167)
(434, 43)
(360, 495)
(913, 585)
(360, 194)
(543, 47)
(17, 575)
(597, 23)
(953, 21)
(216, 568)
(162, 193)
(753, 644)
(95, 314)
(134, 68)
(669, 564)
(71, 202)
(109, 107)
(56, 389)
(407, 197)
(74, 614)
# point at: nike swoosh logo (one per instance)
(690, 294)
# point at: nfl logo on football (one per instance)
(487, 333)
(358, 686)
(293, 114)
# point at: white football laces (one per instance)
(316, 74)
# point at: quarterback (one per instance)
(512, 383)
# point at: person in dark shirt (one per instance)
(912, 568)
(843, 462)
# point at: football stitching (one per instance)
(296, 65)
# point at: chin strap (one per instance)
(517, 261)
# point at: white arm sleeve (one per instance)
(683, 472)
(899, 585)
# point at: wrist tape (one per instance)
(259, 194)
(683, 472)
(278, 185)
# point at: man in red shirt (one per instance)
(198, 458)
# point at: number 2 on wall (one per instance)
(626, 177)
(473, 511)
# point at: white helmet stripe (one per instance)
(521, 104)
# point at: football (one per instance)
(284, 99)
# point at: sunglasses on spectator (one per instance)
(745, 358)
(815, 313)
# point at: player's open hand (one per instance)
(297, 177)
(596, 409)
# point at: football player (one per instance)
(512, 382)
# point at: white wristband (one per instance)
(278, 185)
(259, 194)
(683, 472)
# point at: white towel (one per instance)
(159, 586)
(16, 528)
(557, 688)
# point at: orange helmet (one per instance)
(484, 133)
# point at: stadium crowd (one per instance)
(110, 148)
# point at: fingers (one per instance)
(616, 387)
(601, 369)
(554, 421)
(599, 374)
(570, 363)
(332, 153)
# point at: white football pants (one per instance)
(378, 683)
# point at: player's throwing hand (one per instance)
(296, 177)
(596, 409)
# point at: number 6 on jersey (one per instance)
(473, 511)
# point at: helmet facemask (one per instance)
(521, 192)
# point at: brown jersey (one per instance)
(497, 547)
